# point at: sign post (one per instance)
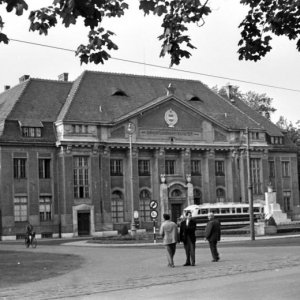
(153, 214)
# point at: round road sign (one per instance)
(153, 214)
(153, 204)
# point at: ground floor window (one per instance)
(145, 198)
(20, 209)
(45, 208)
(197, 196)
(287, 201)
(220, 195)
(117, 207)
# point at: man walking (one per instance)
(169, 232)
(213, 235)
(188, 238)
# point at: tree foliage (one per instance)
(175, 14)
(259, 102)
(265, 17)
(291, 130)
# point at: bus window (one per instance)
(238, 210)
(215, 210)
(256, 209)
(225, 210)
(204, 211)
(233, 210)
(245, 210)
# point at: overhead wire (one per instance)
(162, 67)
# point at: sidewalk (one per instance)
(88, 243)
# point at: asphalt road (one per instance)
(261, 269)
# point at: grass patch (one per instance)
(22, 267)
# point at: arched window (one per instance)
(145, 198)
(220, 195)
(197, 196)
(176, 193)
(117, 207)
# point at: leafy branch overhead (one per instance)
(277, 17)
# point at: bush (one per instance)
(124, 230)
(271, 222)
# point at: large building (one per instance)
(80, 157)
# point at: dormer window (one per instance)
(191, 97)
(31, 128)
(255, 135)
(276, 140)
(80, 128)
(31, 131)
(118, 92)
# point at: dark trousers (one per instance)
(189, 247)
(171, 249)
(213, 249)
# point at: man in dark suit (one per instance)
(213, 235)
(188, 237)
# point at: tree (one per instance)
(259, 102)
(265, 16)
(176, 15)
(291, 130)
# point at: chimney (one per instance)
(6, 87)
(24, 78)
(229, 93)
(63, 77)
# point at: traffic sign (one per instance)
(153, 214)
(153, 204)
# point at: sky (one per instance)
(214, 62)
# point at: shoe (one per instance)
(193, 265)
(214, 260)
(186, 264)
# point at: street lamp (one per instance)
(250, 191)
(130, 131)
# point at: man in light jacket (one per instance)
(169, 232)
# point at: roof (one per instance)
(105, 98)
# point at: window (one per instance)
(81, 177)
(254, 135)
(145, 198)
(19, 168)
(116, 167)
(271, 169)
(276, 140)
(256, 176)
(219, 165)
(197, 196)
(80, 129)
(45, 208)
(285, 168)
(117, 207)
(32, 131)
(287, 201)
(170, 167)
(44, 168)
(220, 195)
(144, 167)
(196, 167)
(20, 209)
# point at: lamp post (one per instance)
(250, 191)
(130, 131)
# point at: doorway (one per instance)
(83, 223)
(176, 210)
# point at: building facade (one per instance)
(79, 158)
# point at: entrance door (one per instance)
(176, 211)
(83, 223)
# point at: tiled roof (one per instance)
(93, 100)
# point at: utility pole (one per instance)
(250, 188)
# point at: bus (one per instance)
(230, 214)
